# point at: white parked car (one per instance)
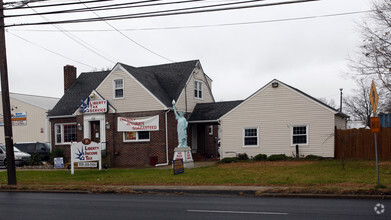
(21, 158)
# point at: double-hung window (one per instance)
(118, 88)
(198, 89)
(300, 135)
(65, 133)
(250, 137)
(134, 136)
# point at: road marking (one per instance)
(239, 212)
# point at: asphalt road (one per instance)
(18, 205)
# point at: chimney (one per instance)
(69, 76)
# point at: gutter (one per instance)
(167, 161)
(205, 121)
(62, 116)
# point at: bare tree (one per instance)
(375, 52)
(358, 106)
(329, 102)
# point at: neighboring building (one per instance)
(356, 124)
(29, 122)
(129, 109)
(273, 120)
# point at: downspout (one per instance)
(167, 161)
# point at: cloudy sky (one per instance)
(241, 50)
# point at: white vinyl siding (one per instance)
(191, 101)
(340, 122)
(275, 111)
(136, 97)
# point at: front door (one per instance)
(194, 138)
(95, 131)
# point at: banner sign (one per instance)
(95, 106)
(178, 166)
(19, 118)
(85, 151)
(138, 124)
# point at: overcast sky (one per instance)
(309, 54)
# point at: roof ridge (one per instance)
(166, 64)
(40, 96)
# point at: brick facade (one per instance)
(130, 154)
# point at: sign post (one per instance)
(375, 123)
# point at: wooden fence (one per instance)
(360, 144)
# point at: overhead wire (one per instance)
(80, 41)
(48, 5)
(209, 26)
(162, 13)
(133, 41)
(51, 51)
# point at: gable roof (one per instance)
(212, 111)
(42, 102)
(165, 81)
(335, 111)
(79, 90)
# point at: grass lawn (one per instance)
(326, 173)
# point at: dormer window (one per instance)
(118, 88)
(197, 89)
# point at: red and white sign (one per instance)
(138, 124)
(97, 106)
(85, 151)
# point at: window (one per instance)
(299, 135)
(65, 133)
(118, 88)
(198, 89)
(133, 136)
(250, 137)
(210, 129)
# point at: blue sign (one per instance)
(178, 166)
(58, 162)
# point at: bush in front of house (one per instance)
(35, 159)
(229, 160)
(278, 157)
(58, 152)
(313, 157)
(260, 157)
(243, 156)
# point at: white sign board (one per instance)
(85, 151)
(87, 164)
(58, 162)
(138, 124)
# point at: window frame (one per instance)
(62, 136)
(306, 134)
(115, 88)
(244, 136)
(198, 93)
(137, 137)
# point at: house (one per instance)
(273, 120)
(129, 110)
(29, 122)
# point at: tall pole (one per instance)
(340, 100)
(6, 103)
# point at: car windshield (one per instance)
(15, 149)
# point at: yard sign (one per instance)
(85, 151)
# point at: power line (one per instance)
(79, 41)
(160, 14)
(58, 54)
(211, 25)
(127, 37)
(23, 3)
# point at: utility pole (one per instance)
(6, 103)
